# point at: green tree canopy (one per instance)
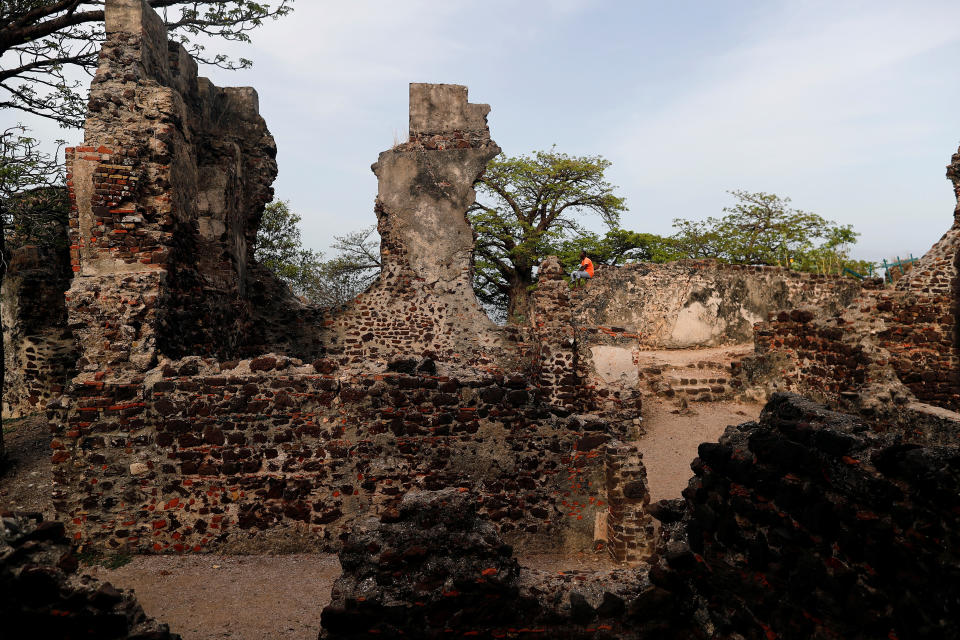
(41, 40)
(617, 247)
(33, 201)
(328, 283)
(762, 228)
(527, 207)
(279, 247)
(351, 271)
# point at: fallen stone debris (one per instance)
(43, 596)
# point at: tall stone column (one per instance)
(423, 302)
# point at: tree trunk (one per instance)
(518, 308)
(3, 361)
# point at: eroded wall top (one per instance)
(167, 192)
(423, 300)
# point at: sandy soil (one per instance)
(26, 478)
(671, 441)
(213, 597)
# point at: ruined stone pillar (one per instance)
(166, 193)
(557, 366)
(423, 302)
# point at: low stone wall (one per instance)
(806, 524)
(888, 346)
(435, 568)
(699, 303)
(888, 349)
(212, 453)
(809, 525)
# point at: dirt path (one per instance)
(213, 597)
(672, 439)
(26, 480)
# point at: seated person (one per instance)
(586, 269)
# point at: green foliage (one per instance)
(280, 248)
(761, 228)
(43, 39)
(351, 271)
(34, 205)
(616, 247)
(527, 207)
(95, 557)
(327, 283)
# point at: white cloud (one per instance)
(807, 94)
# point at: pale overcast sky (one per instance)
(849, 108)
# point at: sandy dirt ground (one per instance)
(214, 597)
(671, 441)
(26, 478)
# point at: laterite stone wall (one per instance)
(214, 453)
(887, 349)
(809, 525)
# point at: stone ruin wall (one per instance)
(45, 596)
(805, 524)
(701, 303)
(251, 439)
(288, 422)
(423, 303)
(168, 189)
(40, 354)
(263, 435)
(891, 351)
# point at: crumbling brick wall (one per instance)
(700, 303)
(563, 358)
(888, 349)
(809, 525)
(167, 190)
(40, 354)
(805, 524)
(44, 596)
(158, 450)
(271, 446)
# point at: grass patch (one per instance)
(93, 557)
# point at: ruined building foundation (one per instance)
(208, 408)
(189, 426)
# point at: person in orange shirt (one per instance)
(586, 269)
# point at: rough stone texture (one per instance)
(809, 525)
(563, 352)
(40, 353)
(167, 190)
(158, 452)
(433, 568)
(269, 446)
(890, 353)
(43, 598)
(700, 303)
(423, 300)
(806, 524)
